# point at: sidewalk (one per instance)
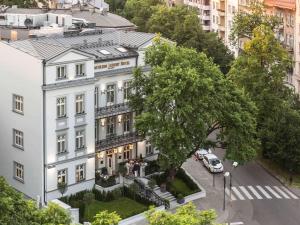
(214, 195)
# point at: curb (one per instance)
(274, 176)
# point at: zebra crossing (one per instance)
(260, 192)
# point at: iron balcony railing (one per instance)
(112, 110)
(118, 140)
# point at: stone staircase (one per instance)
(164, 195)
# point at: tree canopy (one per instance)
(184, 99)
(261, 71)
(184, 215)
(245, 21)
(15, 210)
(179, 24)
(106, 218)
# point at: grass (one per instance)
(282, 174)
(178, 186)
(125, 207)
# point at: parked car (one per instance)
(201, 153)
(213, 164)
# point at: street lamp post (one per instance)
(226, 174)
(234, 165)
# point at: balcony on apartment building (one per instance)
(112, 110)
(113, 141)
(221, 8)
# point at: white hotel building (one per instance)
(64, 111)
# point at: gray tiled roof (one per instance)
(103, 21)
(47, 48)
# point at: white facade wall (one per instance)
(21, 74)
(69, 126)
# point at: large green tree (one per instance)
(245, 21)
(184, 215)
(139, 11)
(15, 210)
(181, 24)
(261, 71)
(184, 99)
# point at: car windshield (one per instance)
(214, 162)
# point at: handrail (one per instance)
(112, 109)
(157, 199)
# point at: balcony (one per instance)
(206, 27)
(112, 110)
(117, 140)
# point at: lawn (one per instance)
(178, 186)
(125, 207)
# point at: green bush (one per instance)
(186, 179)
(152, 167)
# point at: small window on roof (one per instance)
(104, 52)
(121, 49)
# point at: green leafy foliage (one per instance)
(261, 71)
(106, 218)
(184, 99)
(19, 3)
(15, 210)
(245, 21)
(184, 215)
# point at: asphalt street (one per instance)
(257, 197)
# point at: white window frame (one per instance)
(110, 126)
(149, 148)
(18, 171)
(80, 69)
(110, 94)
(61, 143)
(62, 174)
(126, 90)
(79, 104)
(80, 172)
(18, 138)
(61, 72)
(80, 139)
(61, 107)
(18, 104)
(127, 118)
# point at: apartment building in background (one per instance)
(65, 112)
(218, 15)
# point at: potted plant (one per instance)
(151, 183)
(180, 199)
(163, 187)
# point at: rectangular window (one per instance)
(80, 139)
(80, 70)
(18, 171)
(61, 144)
(126, 153)
(80, 172)
(110, 94)
(79, 102)
(18, 104)
(61, 72)
(127, 123)
(149, 149)
(110, 126)
(18, 138)
(62, 176)
(61, 107)
(126, 90)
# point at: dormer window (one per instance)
(61, 72)
(121, 49)
(80, 70)
(104, 52)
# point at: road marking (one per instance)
(264, 192)
(273, 192)
(289, 192)
(252, 189)
(237, 193)
(228, 193)
(235, 223)
(281, 192)
(246, 192)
